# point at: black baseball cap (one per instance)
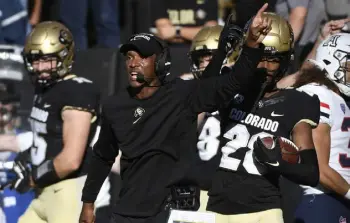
(144, 43)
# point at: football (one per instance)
(290, 152)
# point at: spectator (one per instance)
(74, 15)
(177, 22)
(34, 12)
(340, 10)
(305, 17)
(13, 22)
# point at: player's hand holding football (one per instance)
(259, 27)
(87, 213)
(270, 157)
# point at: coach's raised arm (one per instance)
(210, 93)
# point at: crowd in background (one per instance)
(104, 23)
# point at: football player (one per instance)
(330, 28)
(246, 185)
(63, 121)
(329, 80)
(204, 46)
(13, 203)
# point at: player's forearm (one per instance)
(306, 173)
(65, 164)
(331, 179)
(297, 20)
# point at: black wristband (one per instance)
(306, 172)
(45, 174)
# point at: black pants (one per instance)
(161, 217)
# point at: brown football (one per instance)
(290, 152)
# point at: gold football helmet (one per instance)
(206, 43)
(279, 43)
(49, 40)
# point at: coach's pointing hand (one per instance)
(259, 28)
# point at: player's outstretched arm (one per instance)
(329, 178)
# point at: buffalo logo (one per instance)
(138, 114)
(238, 99)
(261, 104)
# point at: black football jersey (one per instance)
(240, 184)
(46, 122)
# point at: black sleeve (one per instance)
(103, 156)
(311, 113)
(158, 10)
(214, 67)
(210, 93)
(81, 96)
(306, 172)
(308, 109)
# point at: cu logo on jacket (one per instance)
(138, 114)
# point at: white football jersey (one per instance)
(336, 114)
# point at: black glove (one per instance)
(230, 36)
(270, 158)
(22, 169)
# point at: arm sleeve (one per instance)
(311, 113)
(306, 172)
(82, 97)
(312, 106)
(210, 93)
(214, 67)
(103, 156)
